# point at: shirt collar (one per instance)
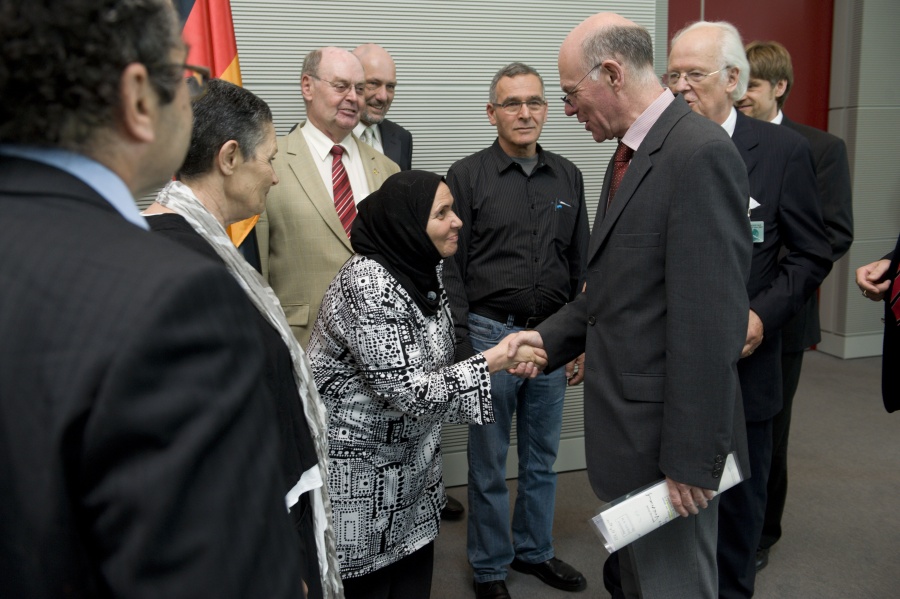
(730, 122)
(778, 118)
(320, 144)
(641, 126)
(504, 161)
(361, 127)
(97, 176)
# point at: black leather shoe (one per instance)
(762, 559)
(554, 572)
(492, 589)
(454, 510)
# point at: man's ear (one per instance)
(139, 103)
(780, 88)
(491, 115)
(229, 157)
(613, 72)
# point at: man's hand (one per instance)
(575, 371)
(872, 279)
(687, 499)
(754, 334)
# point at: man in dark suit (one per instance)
(664, 314)
(137, 460)
(878, 281)
(374, 128)
(791, 256)
(771, 79)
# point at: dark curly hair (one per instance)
(223, 113)
(61, 62)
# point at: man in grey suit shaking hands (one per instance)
(664, 314)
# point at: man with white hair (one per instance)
(791, 256)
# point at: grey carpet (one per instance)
(842, 520)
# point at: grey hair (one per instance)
(513, 69)
(628, 44)
(311, 63)
(731, 52)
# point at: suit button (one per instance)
(715, 475)
(719, 459)
(592, 321)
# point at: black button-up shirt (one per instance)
(523, 244)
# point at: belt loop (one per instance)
(511, 321)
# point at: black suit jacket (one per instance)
(136, 459)
(890, 374)
(836, 199)
(782, 180)
(397, 143)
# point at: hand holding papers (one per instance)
(640, 512)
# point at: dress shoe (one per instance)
(554, 572)
(454, 510)
(492, 589)
(762, 558)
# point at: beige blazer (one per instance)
(302, 244)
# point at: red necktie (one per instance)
(343, 194)
(895, 297)
(620, 164)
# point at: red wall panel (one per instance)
(803, 26)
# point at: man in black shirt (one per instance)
(521, 257)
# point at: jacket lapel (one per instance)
(303, 166)
(641, 164)
(746, 140)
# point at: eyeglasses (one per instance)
(674, 77)
(574, 91)
(343, 87)
(197, 79)
(512, 107)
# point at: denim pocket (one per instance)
(484, 329)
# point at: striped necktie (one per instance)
(343, 194)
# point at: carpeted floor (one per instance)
(842, 520)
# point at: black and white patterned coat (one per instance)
(385, 372)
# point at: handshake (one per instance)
(520, 353)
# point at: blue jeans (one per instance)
(538, 404)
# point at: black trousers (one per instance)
(409, 578)
(742, 509)
(791, 363)
(309, 561)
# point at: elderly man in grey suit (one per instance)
(664, 314)
(304, 234)
(374, 127)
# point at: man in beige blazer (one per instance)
(302, 243)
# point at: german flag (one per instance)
(209, 31)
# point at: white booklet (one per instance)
(630, 517)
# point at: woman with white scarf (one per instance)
(225, 178)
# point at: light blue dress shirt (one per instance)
(99, 178)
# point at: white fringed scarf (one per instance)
(179, 197)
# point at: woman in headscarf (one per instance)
(225, 178)
(382, 355)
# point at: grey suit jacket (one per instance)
(302, 243)
(664, 316)
(836, 199)
(397, 143)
